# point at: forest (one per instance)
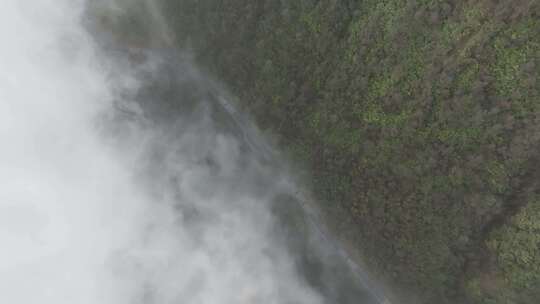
(415, 123)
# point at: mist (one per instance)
(127, 176)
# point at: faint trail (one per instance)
(313, 217)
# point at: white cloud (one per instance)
(164, 215)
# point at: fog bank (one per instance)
(127, 178)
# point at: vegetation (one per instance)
(419, 121)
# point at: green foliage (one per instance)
(507, 68)
(517, 247)
(515, 48)
(466, 78)
(376, 116)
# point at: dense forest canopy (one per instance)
(418, 122)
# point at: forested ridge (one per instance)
(418, 122)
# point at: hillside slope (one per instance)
(418, 120)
